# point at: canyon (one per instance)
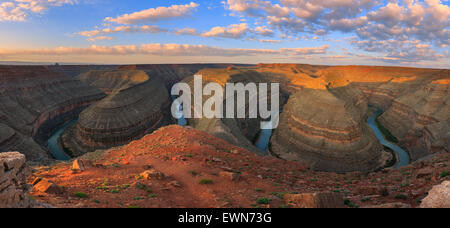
(136, 104)
(120, 114)
(34, 101)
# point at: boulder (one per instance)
(315, 200)
(438, 197)
(153, 174)
(425, 172)
(49, 187)
(36, 181)
(78, 165)
(13, 186)
(229, 175)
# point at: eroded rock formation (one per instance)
(137, 104)
(420, 119)
(33, 102)
(438, 197)
(242, 132)
(13, 186)
(327, 133)
(382, 87)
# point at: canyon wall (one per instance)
(242, 132)
(13, 186)
(420, 119)
(137, 104)
(34, 101)
(327, 132)
(389, 88)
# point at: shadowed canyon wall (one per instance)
(420, 119)
(242, 132)
(33, 102)
(323, 121)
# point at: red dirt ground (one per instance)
(188, 156)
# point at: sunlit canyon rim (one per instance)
(121, 116)
(224, 104)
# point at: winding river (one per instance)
(402, 155)
(181, 120)
(264, 138)
(53, 145)
(262, 142)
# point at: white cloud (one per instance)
(155, 14)
(125, 29)
(19, 10)
(426, 21)
(100, 38)
(263, 31)
(164, 50)
(235, 31)
(187, 31)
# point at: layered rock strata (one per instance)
(382, 87)
(13, 140)
(137, 104)
(242, 132)
(34, 101)
(13, 185)
(326, 132)
(420, 119)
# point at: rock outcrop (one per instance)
(11, 140)
(327, 133)
(13, 186)
(171, 73)
(137, 104)
(421, 119)
(423, 126)
(438, 197)
(33, 102)
(242, 132)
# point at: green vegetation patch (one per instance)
(206, 181)
(264, 201)
(80, 195)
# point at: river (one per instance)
(181, 120)
(53, 145)
(402, 154)
(264, 138)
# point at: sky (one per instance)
(335, 32)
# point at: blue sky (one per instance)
(335, 32)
